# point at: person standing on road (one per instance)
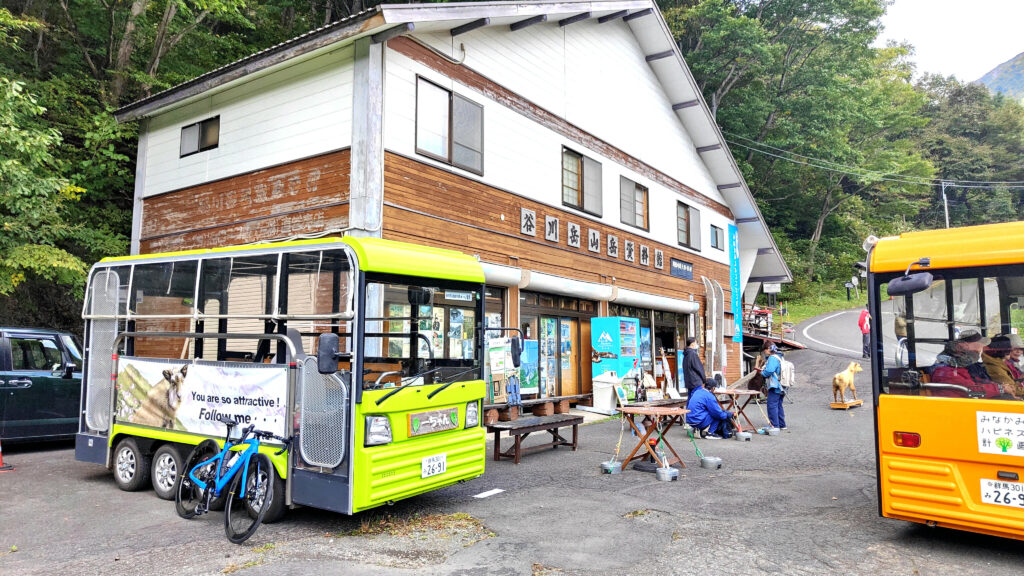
(772, 373)
(693, 368)
(864, 322)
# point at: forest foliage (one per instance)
(837, 138)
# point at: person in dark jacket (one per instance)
(693, 368)
(706, 414)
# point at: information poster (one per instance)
(189, 397)
(529, 367)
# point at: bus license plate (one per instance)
(434, 465)
(1003, 493)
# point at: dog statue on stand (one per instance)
(844, 380)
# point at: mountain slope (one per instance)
(1007, 78)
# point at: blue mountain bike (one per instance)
(210, 469)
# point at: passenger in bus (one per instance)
(960, 364)
(994, 359)
(1016, 356)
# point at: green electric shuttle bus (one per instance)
(366, 353)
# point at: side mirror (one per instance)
(910, 284)
(517, 351)
(420, 296)
(327, 353)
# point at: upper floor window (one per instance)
(717, 238)
(632, 203)
(581, 182)
(204, 135)
(449, 128)
(688, 226)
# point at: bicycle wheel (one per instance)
(188, 494)
(245, 512)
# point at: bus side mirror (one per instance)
(420, 296)
(517, 351)
(910, 284)
(327, 353)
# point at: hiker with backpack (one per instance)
(772, 373)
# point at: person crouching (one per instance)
(706, 415)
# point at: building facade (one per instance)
(566, 145)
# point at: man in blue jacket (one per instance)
(706, 414)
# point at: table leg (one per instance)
(742, 411)
(497, 445)
(676, 458)
(519, 442)
(575, 436)
(642, 442)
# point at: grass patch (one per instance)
(232, 568)
(822, 303)
(637, 513)
(542, 570)
(417, 525)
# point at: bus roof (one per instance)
(374, 254)
(990, 244)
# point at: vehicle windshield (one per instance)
(420, 333)
(959, 337)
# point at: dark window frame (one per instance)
(199, 136)
(449, 160)
(581, 180)
(647, 205)
(693, 231)
(717, 238)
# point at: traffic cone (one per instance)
(4, 467)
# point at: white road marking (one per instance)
(489, 493)
(808, 336)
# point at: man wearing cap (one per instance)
(960, 364)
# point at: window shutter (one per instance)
(695, 228)
(592, 201)
(626, 190)
(467, 134)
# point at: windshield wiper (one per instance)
(447, 384)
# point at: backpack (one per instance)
(788, 374)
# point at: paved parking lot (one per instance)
(800, 503)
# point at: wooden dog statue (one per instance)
(844, 380)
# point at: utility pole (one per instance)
(945, 205)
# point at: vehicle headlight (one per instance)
(378, 430)
(472, 414)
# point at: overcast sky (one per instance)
(966, 38)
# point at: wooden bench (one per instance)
(523, 427)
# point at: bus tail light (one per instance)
(907, 439)
(378, 431)
(472, 414)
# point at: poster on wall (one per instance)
(645, 348)
(529, 368)
(188, 397)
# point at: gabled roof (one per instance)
(643, 18)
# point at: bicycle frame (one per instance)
(242, 461)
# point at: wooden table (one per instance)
(660, 416)
(730, 403)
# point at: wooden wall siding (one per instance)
(300, 111)
(427, 205)
(310, 195)
(535, 113)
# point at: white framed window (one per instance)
(449, 128)
(199, 137)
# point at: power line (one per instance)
(855, 171)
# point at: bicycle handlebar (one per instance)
(251, 429)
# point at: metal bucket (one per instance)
(743, 436)
(667, 474)
(773, 431)
(711, 462)
(611, 467)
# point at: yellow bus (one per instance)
(948, 400)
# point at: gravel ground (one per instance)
(803, 502)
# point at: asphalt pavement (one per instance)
(803, 502)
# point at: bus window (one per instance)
(419, 334)
(938, 342)
(161, 300)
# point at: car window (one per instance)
(74, 350)
(35, 353)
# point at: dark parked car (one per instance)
(40, 384)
